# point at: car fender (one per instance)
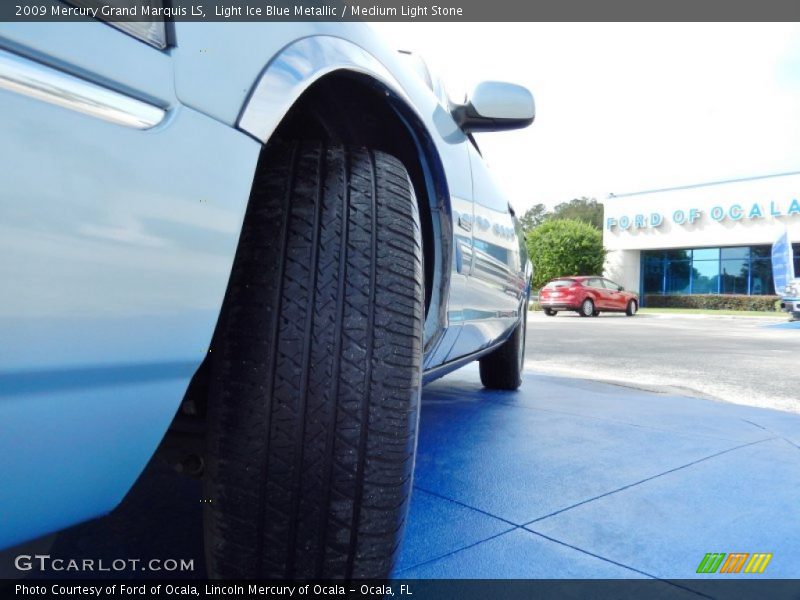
(267, 66)
(280, 64)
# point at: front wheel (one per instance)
(502, 369)
(631, 309)
(316, 371)
(587, 308)
(550, 312)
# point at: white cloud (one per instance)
(626, 107)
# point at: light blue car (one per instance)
(250, 245)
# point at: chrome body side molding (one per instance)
(36, 80)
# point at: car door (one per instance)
(598, 292)
(496, 281)
(447, 346)
(616, 299)
(121, 212)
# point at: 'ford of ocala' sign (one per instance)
(734, 212)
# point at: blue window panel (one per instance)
(761, 283)
(734, 276)
(705, 276)
(678, 277)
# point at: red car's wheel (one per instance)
(587, 308)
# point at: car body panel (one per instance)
(210, 52)
(119, 244)
(460, 268)
(116, 262)
(497, 274)
(125, 64)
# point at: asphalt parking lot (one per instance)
(566, 478)
(746, 360)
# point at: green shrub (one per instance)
(560, 248)
(714, 302)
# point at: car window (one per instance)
(611, 285)
(595, 282)
(559, 283)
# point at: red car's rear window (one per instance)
(560, 283)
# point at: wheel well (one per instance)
(340, 108)
(348, 108)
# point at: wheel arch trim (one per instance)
(295, 68)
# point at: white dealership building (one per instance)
(712, 238)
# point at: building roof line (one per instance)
(700, 185)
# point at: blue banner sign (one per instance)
(782, 262)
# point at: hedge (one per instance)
(563, 247)
(714, 302)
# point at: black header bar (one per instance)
(407, 10)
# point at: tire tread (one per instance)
(316, 370)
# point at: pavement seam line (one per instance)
(790, 442)
(592, 554)
(613, 562)
(630, 485)
(483, 512)
(787, 440)
(467, 547)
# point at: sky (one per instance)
(628, 107)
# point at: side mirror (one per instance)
(495, 106)
(620, 288)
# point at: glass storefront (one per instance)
(796, 252)
(737, 270)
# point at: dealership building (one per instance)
(712, 238)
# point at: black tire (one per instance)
(631, 309)
(502, 369)
(316, 371)
(587, 308)
(550, 312)
(596, 313)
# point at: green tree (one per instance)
(583, 209)
(533, 217)
(563, 247)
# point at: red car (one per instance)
(588, 295)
